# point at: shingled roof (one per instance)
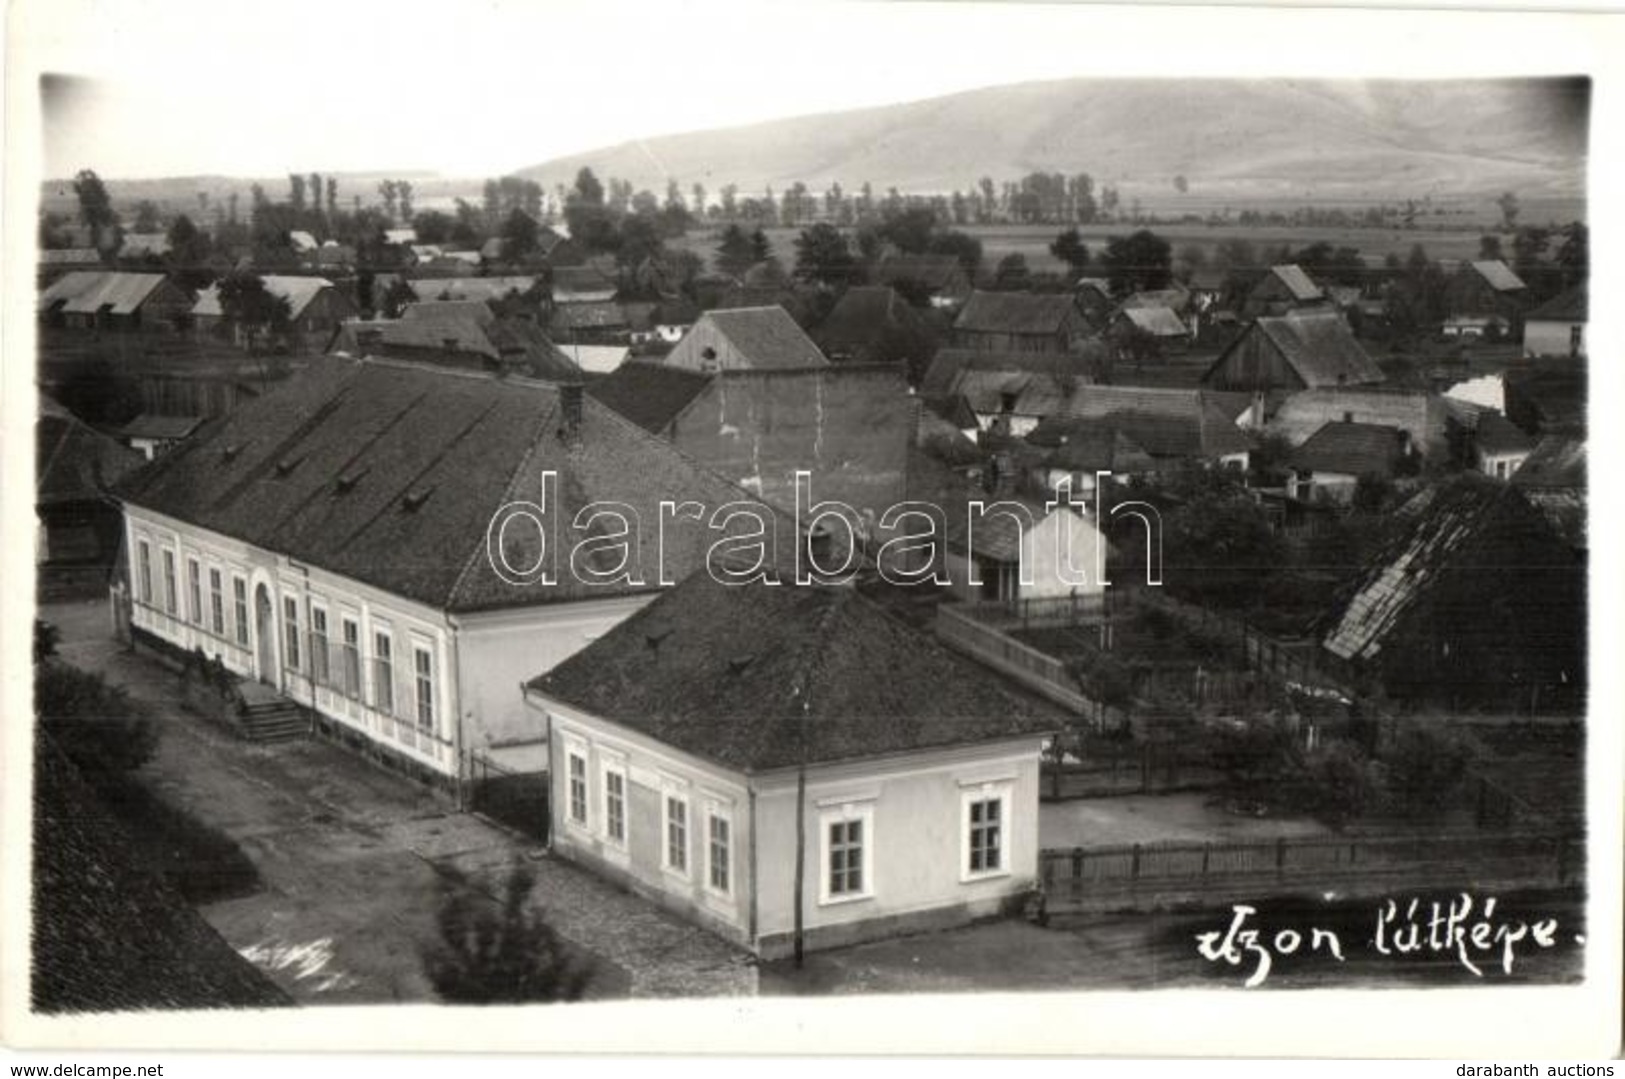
(389, 473)
(1498, 275)
(1157, 321)
(1015, 312)
(755, 678)
(1352, 449)
(1297, 283)
(768, 336)
(1317, 344)
(651, 395)
(73, 462)
(110, 934)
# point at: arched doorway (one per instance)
(265, 635)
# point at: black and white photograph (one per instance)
(809, 509)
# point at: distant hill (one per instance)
(1230, 138)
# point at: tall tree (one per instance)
(189, 251)
(332, 196)
(146, 217)
(823, 256)
(403, 189)
(251, 308)
(296, 191)
(1508, 205)
(95, 206)
(1137, 262)
(1070, 249)
(734, 254)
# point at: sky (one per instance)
(182, 87)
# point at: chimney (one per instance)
(570, 413)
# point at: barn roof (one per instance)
(1498, 274)
(1084, 444)
(389, 473)
(598, 315)
(756, 677)
(862, 313)
(485, 289)
(298, 291)
(70, 256)
(1419, 412)
(1494, 433)
(949, 364)
(1015, 312)
(86, 292)
(1297, 282)
(766, 336)
(1157, 321)
(1317, 345)
(1165, 422)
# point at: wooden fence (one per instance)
(1094, 877)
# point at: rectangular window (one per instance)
(144, 568)
(578, 788)
(986, 835)
(846, 857)
(290, 625)
(319, 669)
(718, 852)
(239, 600)
(352, 657)
(217, 604)
(194, 590)
(984, 830)
(676, 834)
(615, 804)
(383, 673)
(169, 581)
(423, 665)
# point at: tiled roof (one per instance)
(757, 677)
(1499, 275)
(1567, 306)
(767, 336)
(298, 291)
(86, 292)
(1351, 449)
(73, 462)
(1015, 312)
(389, 473)
(110, 934)
(651, 395)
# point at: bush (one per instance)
(504, 956)
(1424, 767)
(100, 728)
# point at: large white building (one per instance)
(334, 541)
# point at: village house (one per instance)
(1553, 480)
(1021, 322)
(1481, 294)
(1018, 551)
(1500, 447)
(794, 767)
(1282, 289)
(1558, 326)
(1008, 393)
(114, 300)
(54, 262)
(592, 322)
(315, 309)
(338, 541)
(1304, 349)
(872, 323)
(745, 338)
(1159, 324)
(1478, 600)
(1328, 466)
(1075, 452)
(940, 278)
(486, 290)
(153, 434)
(75, 467)
(581, 284)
